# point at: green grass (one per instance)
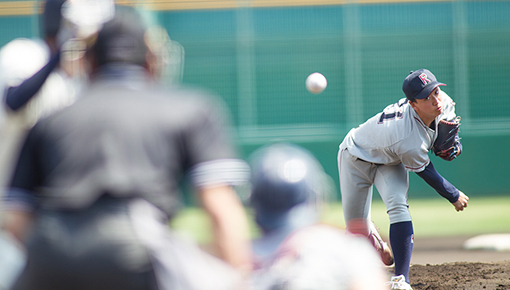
(431, 217)
(437, 217)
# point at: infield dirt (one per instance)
(442, 263)
(461, 275)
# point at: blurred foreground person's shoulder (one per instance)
(321, 257)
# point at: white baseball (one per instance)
(316, 83)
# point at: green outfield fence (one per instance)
(257, 54)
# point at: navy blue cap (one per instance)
(419, 84)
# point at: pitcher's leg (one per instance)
(355, 187)
(392, 182)
(402, 242)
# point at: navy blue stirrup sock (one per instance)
(402, 241)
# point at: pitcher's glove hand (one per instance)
(447, 142)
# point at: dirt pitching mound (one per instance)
(461, 275)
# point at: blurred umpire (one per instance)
(97, 182)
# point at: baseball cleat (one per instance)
(380, 245)
(399, 283)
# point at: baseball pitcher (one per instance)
(384, 149)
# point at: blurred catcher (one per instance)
(289, 187)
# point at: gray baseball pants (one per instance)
(357, 178)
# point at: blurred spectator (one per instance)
(97, 182)
(295, 251)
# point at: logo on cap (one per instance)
(424, 78)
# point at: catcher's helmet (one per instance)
(284, 176)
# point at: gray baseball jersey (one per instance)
(397, 135)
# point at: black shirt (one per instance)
(127, 137)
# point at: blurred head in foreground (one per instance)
(288, 186)
(129, 39)
(120, 41)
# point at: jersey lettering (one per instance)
(392, 112)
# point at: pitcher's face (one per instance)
(430, 107)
